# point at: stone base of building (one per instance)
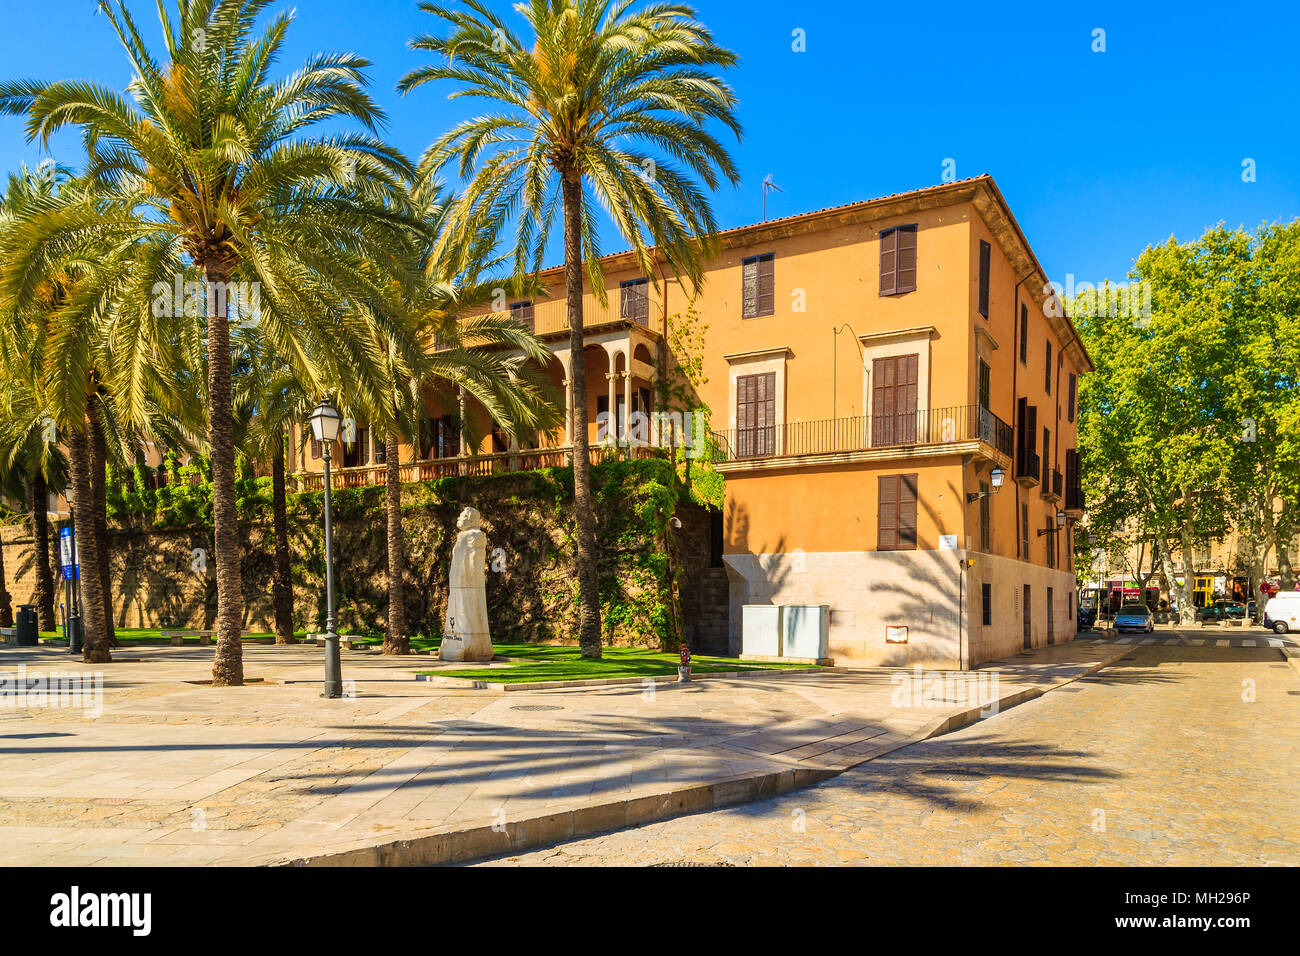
(903, 608)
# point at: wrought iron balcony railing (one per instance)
(937, 426)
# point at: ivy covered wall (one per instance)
(163, 571)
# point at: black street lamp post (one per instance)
(325, 428)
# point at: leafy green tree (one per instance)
(1188, 427)
(209, 164)
(579, 94)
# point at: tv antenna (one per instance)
(769, 186)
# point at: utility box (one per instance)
(806, 630)
(760, 630)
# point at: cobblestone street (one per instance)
(1179, 754)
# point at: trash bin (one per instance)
(26, 625)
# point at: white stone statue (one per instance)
(465, 635)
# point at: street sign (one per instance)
(68, 555)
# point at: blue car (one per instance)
(1135, 617)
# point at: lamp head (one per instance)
(325, 419)
(996, 478)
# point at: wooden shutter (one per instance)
(758, 293)
(756, 415)
(896, 520)
(635, 305)
(1048, 386)
(985, 250)
(766, 284)
(906, 259)
(898, 260)
(985, 387)
(889, 262)
(907, 511)
(1024, 334)
(522, 312)
(887, 518)
(1074, 394)
(894, 400)
(986, 519)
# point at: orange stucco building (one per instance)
(865, 368)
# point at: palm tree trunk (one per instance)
(228, 661)
(43, 596)
(98, 462)
(396, 640)
(588, 573)
(95, 648)
(282, 584)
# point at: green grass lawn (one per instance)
(548, 662)
(128, 636)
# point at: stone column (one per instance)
(627, 402)
(611, 429)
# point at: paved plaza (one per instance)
(174, 771)
(1185, 753)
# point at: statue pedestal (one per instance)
(466, 636)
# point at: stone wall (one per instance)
(531, 582)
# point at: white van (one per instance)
(1282, 612)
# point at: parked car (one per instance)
(1282, 612)
(1221, 611)
(1135, 617)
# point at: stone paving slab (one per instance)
(174, 772)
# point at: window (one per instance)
(897, 517)
(522, 312)
(1048, 386)
(1074, 393)
(441, 439)
(985, 249)
(984, 386)
(986, 604)
(636, 300)
(758, 295)
(1047, 460)
(381, 451)
(894, 396)
(1051, 549)
(1069, 607)
(315, 447)
(986, 533)
(756, 415)
(898, 260)
(1024, 334)
(1024, 531)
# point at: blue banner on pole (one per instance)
(68, 555)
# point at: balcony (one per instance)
(1028, 468)
(864, 438)
(1052, 488)
(497, 463)
(1074, 500)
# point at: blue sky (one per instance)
(1098, 154)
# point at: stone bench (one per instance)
(345, 640)
(177, 637)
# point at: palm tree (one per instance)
(268, 398)
(592, 79)
(491, 360)
(209, 166)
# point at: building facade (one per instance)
(865, 370)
